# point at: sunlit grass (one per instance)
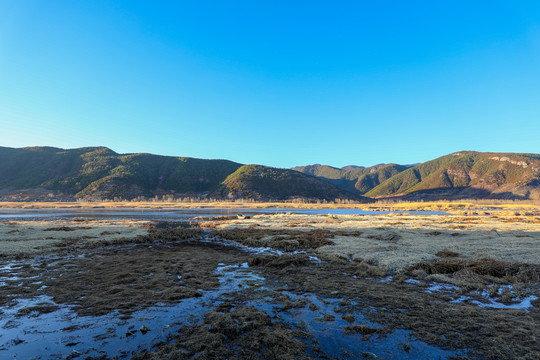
(451, 206)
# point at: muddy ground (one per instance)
(283, 302)
(122, 279)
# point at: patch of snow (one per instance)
(502, 287)
(520, 304)
(434, 287)
(524, 304)
(412, 281)
(460, 299)
(260, 250)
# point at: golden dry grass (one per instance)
(24, 237)
(397, 206)
(398, 241)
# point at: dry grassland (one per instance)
(398, 241)
(26, 237)
(397, 206)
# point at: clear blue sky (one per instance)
(278, 83)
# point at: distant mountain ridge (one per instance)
(465, 174)
(356, 179)
(100, 173)
(48, 173)
(264, 183)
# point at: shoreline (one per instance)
(465, 205)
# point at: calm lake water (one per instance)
(177, 214)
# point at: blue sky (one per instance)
(278, 83)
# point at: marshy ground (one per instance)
(273, 286)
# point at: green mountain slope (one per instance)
(263, 183)
(353, 178)
(101, 173)
(467, 174)
(376, 176)
(343, 179)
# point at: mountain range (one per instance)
(465, 174)
(353, 178)
(98, 173)
(92, 173)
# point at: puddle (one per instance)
(487, 301)
(61, 333)
(180, 214)
(522, 304)
(336, 343)
(252, 250)
(440, 287)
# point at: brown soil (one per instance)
(157, 233)
(42, 308)
(390, 236)
(165, 232)
(244, 333)
(329, 318)
(60, 228)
